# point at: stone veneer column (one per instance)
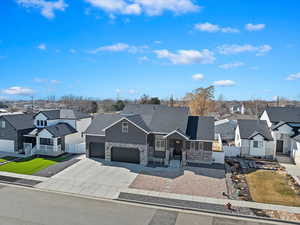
(108, 147)
(143, 155)
(183, 158)
(167, 158)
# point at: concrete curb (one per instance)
(209, 211)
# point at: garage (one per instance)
(97, 150)
(128, 155)
(7, 145)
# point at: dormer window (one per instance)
(124, 127)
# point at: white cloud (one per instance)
(42, 46)
(54, 81)
(254, 27)
(120, 47)
(235, 49)
(212, 28)
(198, 76)
(150, 7)
(72, 51)
(143, 58)
(293, 76)
(18, 91)
(44, 80)
(231, 65)
(47, 7)
(224, 83)
(132, 91)
(187, 56)
(157, 42)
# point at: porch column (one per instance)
(55, 144)
(37, 142)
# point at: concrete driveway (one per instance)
(93, 177)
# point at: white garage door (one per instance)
(7, 145)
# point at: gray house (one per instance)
(151, 133)
(12, 129)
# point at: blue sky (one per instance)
(103, 48)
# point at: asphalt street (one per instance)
(25, 206)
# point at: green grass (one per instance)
(31, 166)
(6, 158)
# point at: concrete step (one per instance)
(175, 164)
(284, 159)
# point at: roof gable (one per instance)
(20, 121)
(250, 128)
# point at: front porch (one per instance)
(48, 146)
(176, 150)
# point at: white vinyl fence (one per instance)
(75, 148)
(232, 151)
(218, 157)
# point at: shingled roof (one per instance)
(20, 121)
(251, 128)
(60, 129)
(284, 114)
(64, 114)
(158, 119)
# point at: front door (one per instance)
(177, 149)
(279, 146)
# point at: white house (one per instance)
(238, 109)
(255, 139)
(284, 123)
(55, 130)
(295, 149)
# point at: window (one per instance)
(125, 127)
(46, 141)
(38, 123)
(257, 144)
(2, 124)
(45, 123)
(160, 143)
(201, 146)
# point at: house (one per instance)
(255, 139)
(239, 108)
(146, 134)
(284, 123)
(12, 129)
(55, 130)
(295, 149)
(226, 129)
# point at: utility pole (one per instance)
(32, 103)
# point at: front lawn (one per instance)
(30, 166)
(272, 187)
(6, 158)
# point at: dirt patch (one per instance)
(192, 181)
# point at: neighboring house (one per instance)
(55, 130)
(12, 129)
(151, 133)
(255, 139)
(284, 123)
(226, 129)
(295, 149)
(238, 109)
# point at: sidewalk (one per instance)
(23, 176)
(235, 203)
